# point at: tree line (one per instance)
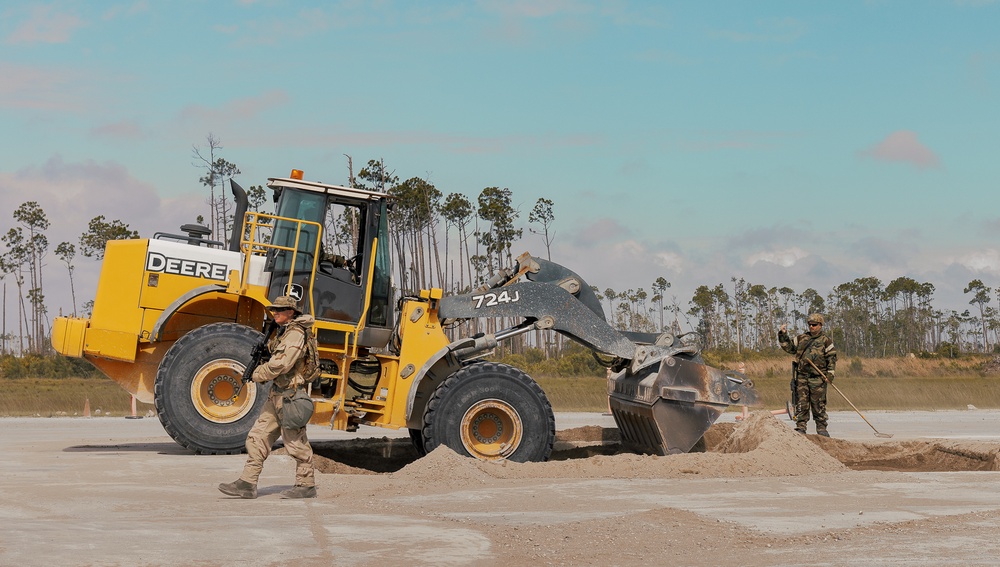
(865, 317)
(25, 247)
(456, 243)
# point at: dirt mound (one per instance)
(759, 446)
(914, 456)
(776, 449)
(588, 434)
(444, 464)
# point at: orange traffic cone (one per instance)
(86, 408)
(133, 416)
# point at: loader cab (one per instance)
(334, 241)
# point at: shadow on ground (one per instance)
(161, 448)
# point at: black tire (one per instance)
(490, 411)
(195, 384)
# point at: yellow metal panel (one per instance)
(117, 345)
(68, 335)
(137, 378)
(419, 340)
(116, 306)
(322, 412)
(200, 311)
(160, 290)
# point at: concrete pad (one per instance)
(114, 491)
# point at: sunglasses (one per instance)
(815, 324)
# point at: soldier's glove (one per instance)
(829, 376)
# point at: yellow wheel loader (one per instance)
(176, 317)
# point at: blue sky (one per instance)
(799, 144)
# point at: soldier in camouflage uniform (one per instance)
(285, 371)
(809, 384)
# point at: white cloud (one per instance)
(235, 110)
(784, 258)
(903, 146)
(773, 30)
(73, 193)
(38, 87)
(122, 130)
(45, 24)
(982, 261)
(669, 260)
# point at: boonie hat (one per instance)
(285, 302)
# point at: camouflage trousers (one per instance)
(810, 396)
(262, 436)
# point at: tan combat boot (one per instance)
(300, 492)
(240, 488)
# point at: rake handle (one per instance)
(825, 379)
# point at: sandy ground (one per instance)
(111, 491)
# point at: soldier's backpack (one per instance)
(311, 370)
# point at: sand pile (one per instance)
(760, 446)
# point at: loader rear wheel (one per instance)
(490, 411)
(195, 385)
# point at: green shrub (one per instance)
(948, 350)
(48, 366)
(856, 368)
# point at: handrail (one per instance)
(253, 221)
(250, 246)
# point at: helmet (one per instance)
(285, 302)
(815, 318)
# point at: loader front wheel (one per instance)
(196, 385)
(490, 411)
(417, 438)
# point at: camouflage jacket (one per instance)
(819, 349)
(288, 349)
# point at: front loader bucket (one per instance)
(666, 407)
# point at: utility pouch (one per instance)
(296, 410)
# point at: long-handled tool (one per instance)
(776, 412)
(825, 379)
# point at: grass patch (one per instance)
(50, 397)
(901, 393)
(854, 367)
(576, 394)
(905, 393)
(896, 384)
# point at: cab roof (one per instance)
(337, 190)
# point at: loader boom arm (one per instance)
(553, 297)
